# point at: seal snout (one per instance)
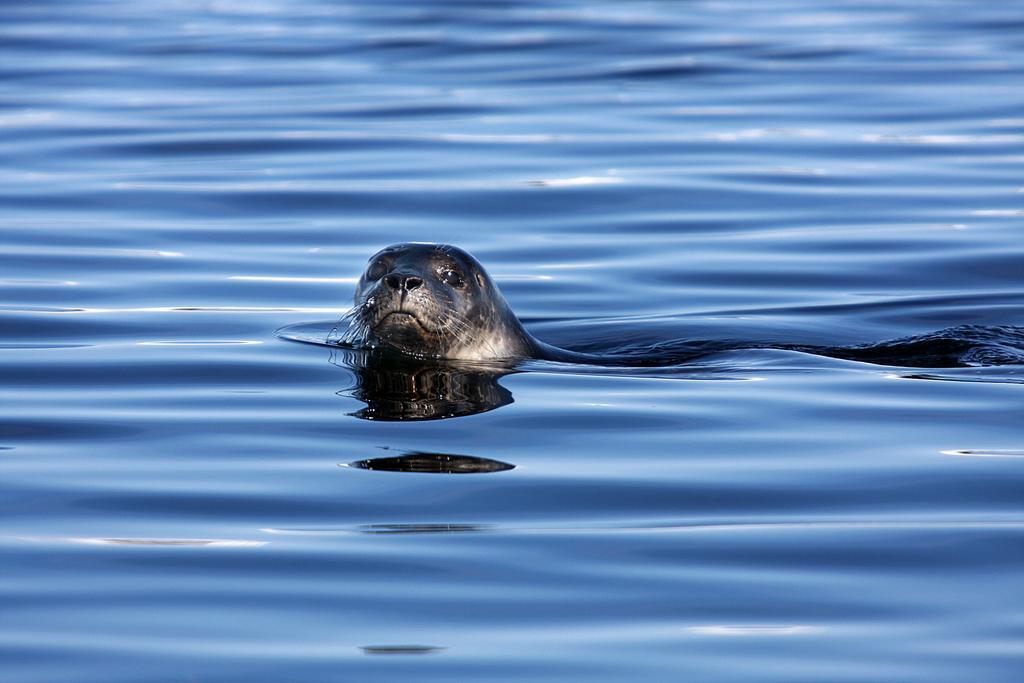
(403, 295)
(401, 281)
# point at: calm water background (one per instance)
(181, 179)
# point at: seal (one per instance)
(436, 301)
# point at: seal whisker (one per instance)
(463, 331)
(357, 325)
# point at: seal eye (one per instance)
(377, 270)
(452, 277)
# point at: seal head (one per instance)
(434, 301)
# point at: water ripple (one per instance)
(755, 183)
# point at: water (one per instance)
(190, 497)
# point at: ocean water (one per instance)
(190, 186)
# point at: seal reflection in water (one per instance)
(395, 388)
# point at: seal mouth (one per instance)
(401, 319)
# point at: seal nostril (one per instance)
(398, 282)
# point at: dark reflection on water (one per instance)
(396, 389)
(436, 463)
(400, 649)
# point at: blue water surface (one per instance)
(189, 496)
